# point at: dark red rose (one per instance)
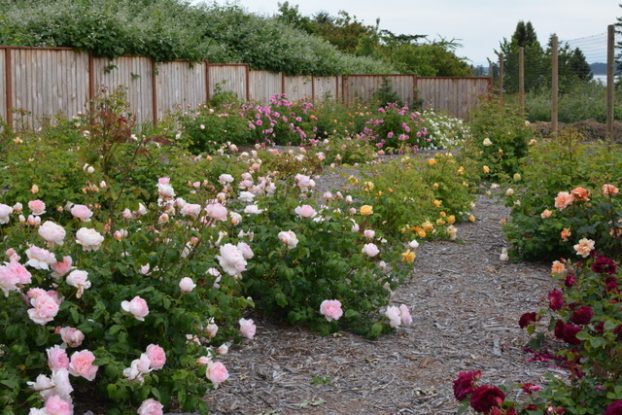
(611, 283)
(571, 279)
(582, 315)
(556, 299)
(526, 319)
(486, 397)
(614, 408)
(618, 332)
(600, 327)
(567, 332)
(529, 388)
(463, 386)
(531, 407)
(604, 265)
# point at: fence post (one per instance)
(206, 82)
(521, 80)
(610, 86)
(501, 75)
(313, 89)
(248, 83)
(8, 79)
(554, 85)
(154, 93)
(282, 83)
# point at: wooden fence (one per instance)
(37, 84)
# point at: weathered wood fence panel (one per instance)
(46, 83)
(264, 84)
(180, 85)
(455, 96)
(135, 75)
(326, 87)
(363, 87)
(298, 87)
(232, 78)
(3, 115)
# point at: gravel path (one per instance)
(465, 303)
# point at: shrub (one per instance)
(536, 224)
(444, 131)
(210, 128)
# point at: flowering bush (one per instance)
(444, 131)
(552, 209)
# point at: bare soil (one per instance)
(466, 304)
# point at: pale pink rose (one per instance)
(80, 280)
(394, 315)
(71, 336)
(331, 309)
(405, 315)
(246, 250)
(191, 209)
(563, 200)
(127, 214)
(247, 328)
(546, 213)
(137, 307)
(246, 197)
(225, 179)
(12, 254)
(305, 211)
(164, 180)
(369, 234)
(33, 220)
(166, 191)
(203, 360)
(58, 385)
(231, 259)
(39, 258)
(558, 267)
(61, 268)
(37, 207)
(370, 250)
(216, 211)
(151, 407)
(236, 218)
(142, 210)
(211, 330)
(5, 213)
(55, 405)
(288, 238)
(584, 247)
(90, 239)
(164, 218)
(44, 308)
(223, 349)
(253, 210)
(13, 274)
(303, 182)
(52, 233)
(157, 356)
(608, 190)
(216, 372)
(57, 358)
(186, 284)
(81, 364)
(81, 212)
(138, 368)
(18, 207)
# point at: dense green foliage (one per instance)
(172, 29)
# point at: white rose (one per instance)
(52, 233)
(231, 259)
(89, 238)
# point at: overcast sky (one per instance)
(478, 24)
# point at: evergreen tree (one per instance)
(535, 66)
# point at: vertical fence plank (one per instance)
(231, 78)
(554, 84)
(3, 87)
(610, 79)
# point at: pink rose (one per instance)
(394, 315)
(305, 211)
(584, 247)
(82, 365)
(216, 211)
(231, 259)
(137, 307)
(405, 315)
(191, 209)
(563, 200)
(5, 213)
(331, 309)
(55, 405)
(37, 207)
(62, 268)
(211, 330)
(90, 239)
(216, 372)
(288, 238)
(157, 356)
(370, 250)
(40, 258)
(71, 336)
(247, 328)
(186, 284)
(44, 307)
(57, 358)
(608, 190)
(80, 280)
(81, 212)
(13, 274)
(151, 407)
(245, 249)
(369, 234)
(52, 233)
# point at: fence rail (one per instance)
(39, 83)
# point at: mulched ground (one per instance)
(466, 304)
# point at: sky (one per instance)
(478, 25)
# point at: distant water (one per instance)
(601, 78)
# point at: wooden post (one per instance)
(313, 89)
(282, 83)
(336, 88)
(491, 78)
(521, 80)
(154, 93)
(8, 79)
(248, 83)
(501, 75)
(554, 85)
(206, 82)
(610, 86)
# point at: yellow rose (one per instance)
(409, 256)
(431, 162)
(437, 203)
(471, 218)
(451, 219)
(486, 169)
(421, 233)
(427, 226)
(369, 186)
(366, 210)
(440, 221)
(517, 177)
(461, 170)
(435, 186)
(443, 214)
